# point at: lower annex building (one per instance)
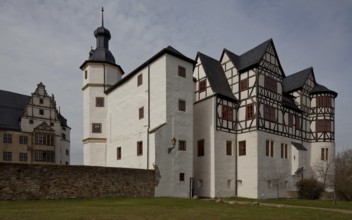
(32, 130)
(237, 126)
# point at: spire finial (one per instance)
(102, 16)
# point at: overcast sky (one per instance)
(47, 41)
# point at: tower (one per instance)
(100, 72)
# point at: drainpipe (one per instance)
(236, 155)
(148, 116)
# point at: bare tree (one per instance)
(324, 172)
(343, 176)
(277, 180)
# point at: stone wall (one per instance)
(27, 181)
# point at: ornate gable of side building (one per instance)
(44, 128)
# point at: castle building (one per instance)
(32, 130)
(237, 126)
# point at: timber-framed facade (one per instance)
(237, 126)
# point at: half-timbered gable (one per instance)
(210, 71)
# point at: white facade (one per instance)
(242, 128)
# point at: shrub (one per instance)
(309, 189)
(343, 175)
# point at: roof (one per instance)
(297, 80)
(322, 89)
(288, 101)
(249, 58)
(216, 76)
(299, 146)
(168, 50)
(12, 106)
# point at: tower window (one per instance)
(181, 71)
(139, 80)
(242, 148)
(99, 101)
(200, 148)
(141, 112)
(269, 148)
(182, 105)
(229, 148)
(249, 112)
(181, 145)
(96, 127)
(182, 176)
(139, 148)
(324, 153)
(118, 153)
(85, 74)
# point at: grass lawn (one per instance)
(153, 208)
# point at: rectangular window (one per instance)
(284, 151)
(181, 145)
(85, 74)
(44, 139)
(63, 136)
(118, 153)
(269, 148)
(324, 101)
(23, 139)
(323, 125)
(182, 176)
(269, 113)
(41, 111)
(23, 157)
(141, 113)
(139, 148)
(41, 101)
(7, 138)
(298, 122)
(44, 156)
(249, 112)
(324, 153)
(227, 113)
(200, 148)
(202, 85)
(290, 119)
(67, 152)
(30, 121)
(242, 148)
(99, 102)
(139, 80)
(181, 71)
(229, 148)
(244, 84)
(270, 84)
(7, 156)
(182, 105)
(96, 127)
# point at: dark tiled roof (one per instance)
(297, 80)
(289, 102)
(216, 76)
(11, 109)
(322, 89)
(250, 58)
(168, 50)
(299, 146)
